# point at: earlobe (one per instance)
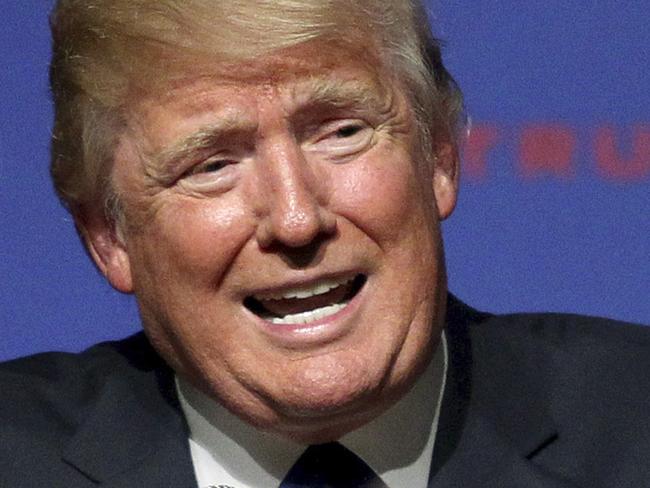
(108, 250)
(445, 179)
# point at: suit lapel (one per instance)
(475, 446)
(134, 434)
(484, 458)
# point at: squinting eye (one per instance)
(343, 138)
(212, 176)
(212, 167)
(209, 167)
(348, 131)
(209, 170)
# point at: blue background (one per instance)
(578, 241)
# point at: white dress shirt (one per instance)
(398, 445)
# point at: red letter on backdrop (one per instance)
(481, 140)
(547, 149)
(612, 165)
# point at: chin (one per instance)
(324, 406)
(329, 384)
(319, 420)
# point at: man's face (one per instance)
(282, 239)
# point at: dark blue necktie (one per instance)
(330, 466)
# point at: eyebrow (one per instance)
(323, 91)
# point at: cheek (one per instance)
(385, 196)
(180, 258)
(195, 239)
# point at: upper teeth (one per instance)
(319, 288)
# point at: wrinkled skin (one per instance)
(290, 187)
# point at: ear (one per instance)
(445, 178)
(106, 246)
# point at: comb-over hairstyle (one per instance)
(107, 53)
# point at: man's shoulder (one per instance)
(563, 330)
(47, 396)
(585, 378)
(544, 341)
(91, 415)
(569, 348)
(562, 349)
(52, 380)
(86, 369)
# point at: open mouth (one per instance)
(306, 304)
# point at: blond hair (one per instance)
(106, 52)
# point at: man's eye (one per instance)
(209, 167)
(342, 138)
(348, 130)
(212, 176)
(212, 167)
(208, 171)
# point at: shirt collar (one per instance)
(397, 445)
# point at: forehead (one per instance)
(297, 78)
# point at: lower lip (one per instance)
(318, 332)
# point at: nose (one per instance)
(293, 198)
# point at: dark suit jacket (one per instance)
(531, 401)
